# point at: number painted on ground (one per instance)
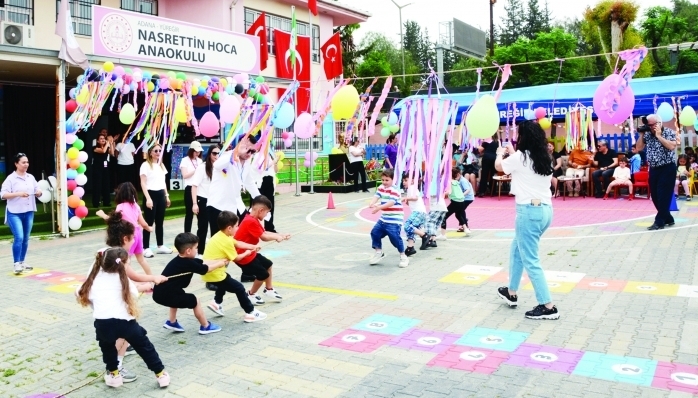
(353, 338)
(473, 356)
(428, 340)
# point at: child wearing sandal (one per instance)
(113, 300)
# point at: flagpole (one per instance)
(295, 109)
(310, 95)
(61, 180)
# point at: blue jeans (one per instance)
(392, 230)
(531, 223)
(21, 226)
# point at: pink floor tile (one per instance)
(503, 277)
(478, 360)
(357, 341)
(607, 285)
(676, 376)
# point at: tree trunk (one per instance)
(616, 36)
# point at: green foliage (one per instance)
(662, 26)
(350, 53)
(382, 45)
(535, 19)
(374, 64)
(604, 15)
(514, 22)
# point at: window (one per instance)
(284, 24)
(18, 11)
(81, 12)
(149, 7)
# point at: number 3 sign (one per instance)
(176, 185)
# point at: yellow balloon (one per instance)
(687, 116)
(482, 120)
(344, 103)
(73, 153)
(279, 165)
(194, 90)
(83, 95)
(108, 66)
(544, 123)
(82, 203)
(204, 83)
(224, 82)
(280, 156)
(151, 87)
(181, 111)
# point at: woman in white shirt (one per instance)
(200, 184)
(156, 199)
(125, 164)
(188, 167)
(356, 164)
(531, 168)
(267, 186)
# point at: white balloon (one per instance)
(44, 185)
(75, 223)
(81, 179)
(45, 195)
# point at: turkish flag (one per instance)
(312, 5)
(284, 69)
(259, 29)
(332, 57)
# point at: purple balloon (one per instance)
(611, 104)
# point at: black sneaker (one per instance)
(540, 312)
(247, 278)
(410, 251)
(503, 293)
(425, 242)
(432, 243)
(129, 351)
(211, 287)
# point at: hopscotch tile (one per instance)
(464, 279)
(425, 340)
(687, 291)
(479, 270)
(676, 376)
(660, 289)
(554, 359)
(562, 276)
(29, 273)
(616, 368)
(66, 278)
(46, 275)
(357, 341)
(606, 285)
(65, 288)
(386, 324)
(471, 359)
(555, 287)
(493, 339)
(503, 277)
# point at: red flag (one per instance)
(332, 57)
(259, 29)
(312, 5)
(284, 69)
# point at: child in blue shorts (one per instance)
(390, 222)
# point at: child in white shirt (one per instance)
(621, 177)
(418, 216)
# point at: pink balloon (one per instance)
(604, 98)
(81, 211)
(80, 191)
(118, 71)
(540, 112)
(230, 108)
(164, 84)
(70, 138)
(284, 136)
(306, 163)
(208, 125)
(239, 78)
(304, 126)
(288, 143)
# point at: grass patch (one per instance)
(9, 372)
(92, 374)
(182, 342)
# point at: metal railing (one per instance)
(18, 11)
(149, 7)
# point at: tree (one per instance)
(514, 21)
(350, 53)
(661, 27)
(535, 20)
(381, 44)
(689, 12)
(412, 39)
(374, 64)
(612, 18)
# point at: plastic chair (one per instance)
(642, 179)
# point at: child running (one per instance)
(172, 294)
(251, 231)
(461, 197)
(415, 222)
(435, 217)
(391, 219)
(222, 245)
(113, 299)
(621, 177)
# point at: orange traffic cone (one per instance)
(330, 202)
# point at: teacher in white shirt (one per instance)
(188, 167)
(356, 163)
(266, 184)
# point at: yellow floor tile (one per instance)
(66, 288)
(555, 287)
(29, 273)
(464, 279)
(660, 289)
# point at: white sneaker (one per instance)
(215, 307)
(377, 257)
(254, 316)
(147, 253)
(255, 299)
(441, 237)
(25, 267)
(404, 261)
(163, 250)
(273, 294)
(467, 231)
(18, 268)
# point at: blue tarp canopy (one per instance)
(559, 98)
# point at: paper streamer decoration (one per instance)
(379, 105)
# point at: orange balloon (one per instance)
(74, 164)
(73, 201)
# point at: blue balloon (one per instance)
(72, 93)
(71, 174)
(392, 118)
(71, 213)
(529, 114)
(80, 79)
(147, 75)
(70, 127)
(230, 90)
(695, 124)
(284, 116)
(665, 112)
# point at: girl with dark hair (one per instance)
(531, 168)
(101, 155)
(156, 199)
(390, 152)
(188, 167)
(200, 183)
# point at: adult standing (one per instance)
(101, 156)
(19, 190)
(155, 198)
(531, 168)
(188, 167)
(390, 152)
(661, 144)
(557, 164)
(125, 163)
(267, 185)
(356, 164)
(488, 150)
(606, 160)
(200, 185)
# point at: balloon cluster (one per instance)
(687, 117)
(344, 103)
(309, 160)
(75, 173)
(389, 124)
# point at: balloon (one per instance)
(209, 125)
(181, 76)
(82, 156)
(603, 101)
(238, 78)
(80, 79)
(164, 84)
(239, 89)
(540, 112)
(695, 125)
(119, 83)
(45, 195)
(230, 108)
(74, 223)
(137, 75)
(307, 163)
(687, 116)
(284, 116)
(544, 123)
(81, 169)
(127, 114)
(215, 97)
(71, 138)
(483, 118)
(108, 66)
(394, 128)
(665, 112)
(70, 126)
(279, 156)
(74, 164)
(71, 174)
(82, 203)
(73, 153)
(73, 201)
(288, 143)
(194, 90)
(384, 121)
(81, 179)
(82, 96)
(125, 89)
(72, 93)
(224, 82)
(80, 191)
(385, 131)
(529, 114)
(263, 89)
(392, 119)
(43, 185)
(304, 126)
(78, 144)
(151, 87)
(181, 111)
(71, 106)
(279, 165)
(72, 185)
(246, 84)
(344, 103)
(119, 71)
(81, 212)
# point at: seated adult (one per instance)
(579, 160)
(605, 160)
(557, 164)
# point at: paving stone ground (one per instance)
(628, 299)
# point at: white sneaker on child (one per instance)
(163, 250)
(377, 257)
(255, 299)
(147, 253)
(113, 380)
(441, 237)
(215, 307)
(404, 261)
(254, 316)
(163, 380)
(272, 294)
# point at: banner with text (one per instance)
(129, 35)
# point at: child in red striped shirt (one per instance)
(390, 222)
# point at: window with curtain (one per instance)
(18, 11)
(284, 24)
(149, 7)
(81, 13)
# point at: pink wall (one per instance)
(212, 13)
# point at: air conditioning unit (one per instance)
(14, 34)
